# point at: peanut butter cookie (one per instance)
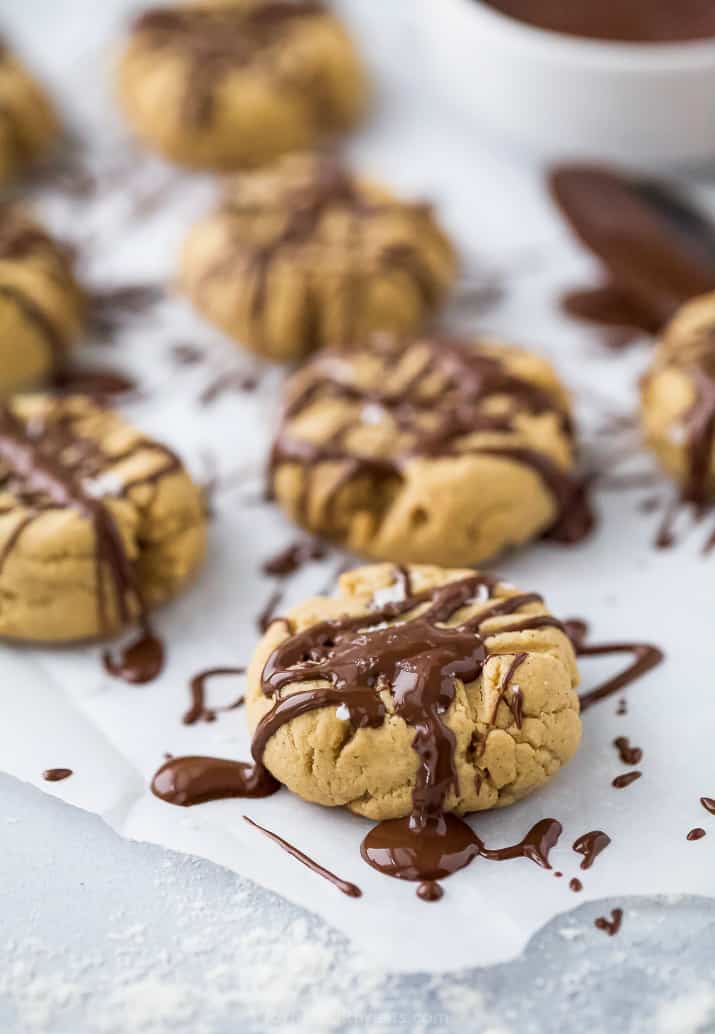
(98, 524)
(678, 400)
(41, 306)
(435, 451)
(304, 254)
(223, 84)
(417, 691)
(28, 125)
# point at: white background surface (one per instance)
(61, 709)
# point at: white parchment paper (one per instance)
(61, 709)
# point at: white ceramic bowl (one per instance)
(645, 105)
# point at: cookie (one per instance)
(416, 690)
(28, 125)
(98, 524)
(433, 451)
(226, 84)
(304, 254)
(678, 400)
(41, 306)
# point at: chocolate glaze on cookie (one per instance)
(217, 39)
(472, 377)
(46, 465)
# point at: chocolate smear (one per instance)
(56, 775)
(268, 614)
(655, 264)
(628, 755)
(293, 557)
(349, 889)
(622, 781)
(611, 926)
(590, 845)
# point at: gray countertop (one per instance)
(103, 935)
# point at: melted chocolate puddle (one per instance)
(199, 710)
(55, 775)
(187, 781)
(350, 889)
(646, 656)
(590, 845)
(397, 848)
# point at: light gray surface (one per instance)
(94, 928)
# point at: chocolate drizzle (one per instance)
(449, 399)
(292, 558)
(217, 39)
(590, 845)
(48, 465)
(187, 781)
(646, 657)
(349, 889)
(199, 710)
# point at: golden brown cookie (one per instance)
(434, 451)
(304, 254)
(678, 400)
(98, 524)
(41, 306)
(417, 689)
(224, 84)
(28, 125)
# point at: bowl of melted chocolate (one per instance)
(631, 81)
